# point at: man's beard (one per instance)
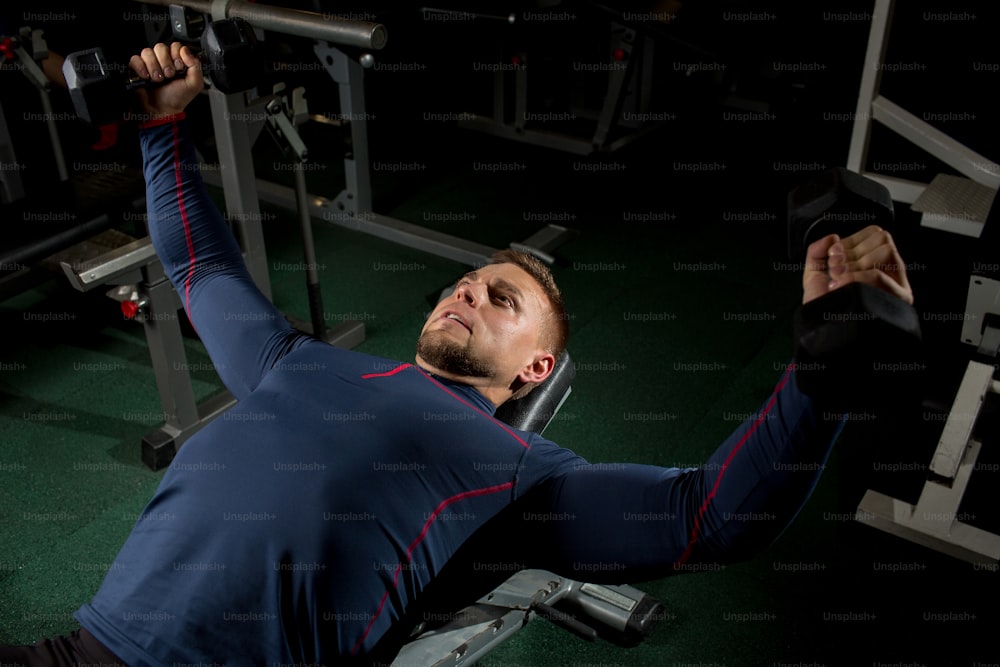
(438, 350)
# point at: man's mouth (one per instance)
(457, 318)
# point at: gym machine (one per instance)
(353, 207)
(26, 51)
(627, 65)
(958, 204)
(963, 205)
(96, 197)
(935, 520)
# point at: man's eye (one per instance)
(505, 299)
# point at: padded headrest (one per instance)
(535, 411)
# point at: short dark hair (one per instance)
(555, 326)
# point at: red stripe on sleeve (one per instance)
(182, 208)
(696, 531)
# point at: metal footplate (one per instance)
(955, 204)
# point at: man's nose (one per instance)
(470, 293)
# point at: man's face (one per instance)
(488, 331)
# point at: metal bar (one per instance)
(390, 229)
(520, 96)
(37, 77)
(309, 252)
(11, 187)
(50, 124)
(892, 515)
(166, 351)
(547, 138)
(871, 78)
(236, 160)
(499, 91)
(36, 250)
(541, 242)
(617, 79)
(327, 27)
(964, 411)
(980, 169)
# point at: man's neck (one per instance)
(495, 395)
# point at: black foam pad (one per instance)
(535, 411)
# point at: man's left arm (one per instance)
(651, 521)
(620, 522)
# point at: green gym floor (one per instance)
(681, 296)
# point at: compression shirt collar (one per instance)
(467, 392)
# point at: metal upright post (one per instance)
(239, 186)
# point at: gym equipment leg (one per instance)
(136, 267)
(935, 521)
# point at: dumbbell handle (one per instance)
(364, 34)
(134, 81)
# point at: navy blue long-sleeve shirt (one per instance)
(301, 524)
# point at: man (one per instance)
(239, 560)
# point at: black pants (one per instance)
(77, 649)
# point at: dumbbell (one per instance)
(857, 345)
(229, 56)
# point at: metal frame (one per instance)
(234, 142)
(935, 521)
(364, 34)
(636, 72)
(872, 106)
(11, 185)
(352, 208)
(476, 630)
(983, 298)
(136, 265)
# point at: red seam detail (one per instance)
(184, 218)
(718, 480)
(386, 374)
(467, 404)
(423, 533)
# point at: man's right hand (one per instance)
(160, 63)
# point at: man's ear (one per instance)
(538, 370)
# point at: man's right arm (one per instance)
(243, 332)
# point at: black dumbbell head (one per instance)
(858, 346)
(838, 201)
(97, 93)
(230, 56)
